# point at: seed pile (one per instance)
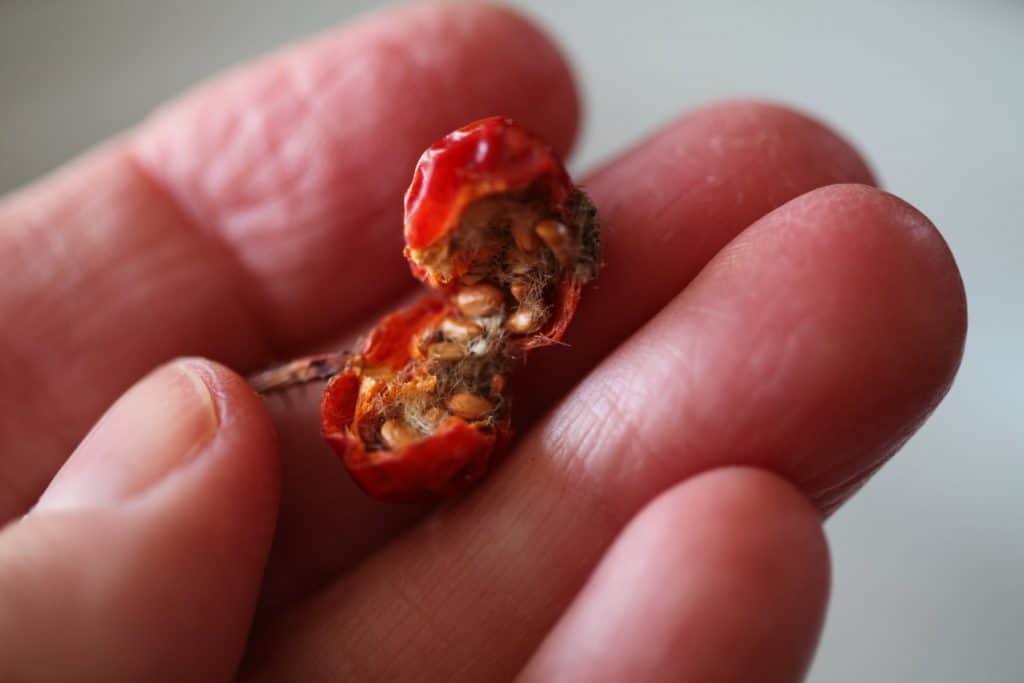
(514, 255)
(495, 227)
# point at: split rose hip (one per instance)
(415, 416)
(494, 225)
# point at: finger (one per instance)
(670, 204)
(667, 207)
(722, 578)
(252, 217)
(143, 559)
(812, 346)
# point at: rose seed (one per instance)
(469, 406)
(524, 321)
(479, 300)
(460, 330)
(524, 237)
(519, 263)
(558, 238)
(520, 290)
(435, 416)
(445, 351)
(397, 434)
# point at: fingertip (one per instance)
(895, 259)
(908, 234)
(753, 531)
(866, 311)
(201, 538)
(164, 515)
(752, 549)
(756, 513)
(723, 577)
(234, 397)
(246, 442)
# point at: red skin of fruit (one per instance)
(488, 157)
(447, 461)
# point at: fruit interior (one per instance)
(499, 268)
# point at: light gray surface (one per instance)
(929, 558)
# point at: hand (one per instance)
(768, 331)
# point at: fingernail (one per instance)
(161, 423)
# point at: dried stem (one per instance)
(297, 372)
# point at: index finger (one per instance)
(251, 218)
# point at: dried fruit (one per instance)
(494, 225)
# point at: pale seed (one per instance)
(435, 415)
(469, 406)
(524, 237)
(519, 263)
(426, 338)
(479, 300)
(524, 321)
(460, 330)
(445, 351)
(520, 290)
(397, 434)
(558, 238)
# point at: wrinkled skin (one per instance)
(769, 330)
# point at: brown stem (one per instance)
(296, 372)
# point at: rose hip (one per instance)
(495, 226)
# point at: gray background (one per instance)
(929, 557)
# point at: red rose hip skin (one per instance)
(496, 228)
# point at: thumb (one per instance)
(143, 559)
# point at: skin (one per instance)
(768, 331)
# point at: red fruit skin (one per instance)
(446, 462)
(486, 157)
(566, 299)
(390, 343)
(443, 464)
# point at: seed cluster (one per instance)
(494, 225)
(460, 366)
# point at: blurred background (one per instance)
(929, 558)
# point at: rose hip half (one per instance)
(495, 227)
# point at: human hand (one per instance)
(762, 339)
